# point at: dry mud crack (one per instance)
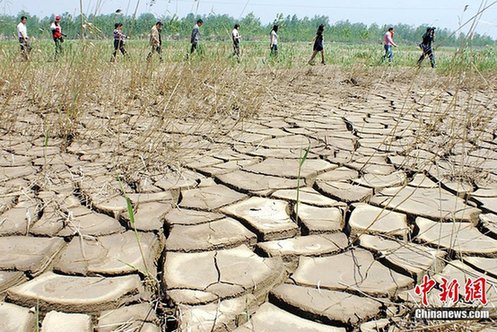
(398, 183)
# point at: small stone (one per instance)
(268, 218)
(61, 322)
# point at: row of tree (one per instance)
(218, 27)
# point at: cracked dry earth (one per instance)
(398, 183)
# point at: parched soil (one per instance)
(322, 212)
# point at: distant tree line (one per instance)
(218, 28)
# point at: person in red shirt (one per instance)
(388, 43)
(57, 35)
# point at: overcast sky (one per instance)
(440, 13)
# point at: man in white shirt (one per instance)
(22, 34)
(235, 36)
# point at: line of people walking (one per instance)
(156, 41)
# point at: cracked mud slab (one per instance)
(225, 273)
(373, 220)
(271, 318)
(110, 255)
(220, 234)
(61, 322)
(76, 294)
(430, 203)
(16, 319)
(269, 218)
(355, 271)
(327, 306)
(28, 254)
(411, 258)
(209, 198)
(461, 237)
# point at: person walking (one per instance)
(57, 35)
(388, 43)
(22, 34)
(195, 37)
(273, 40)
(119, 41)
(155, 41)
(428, 39)
(235, 36)
(318, 45)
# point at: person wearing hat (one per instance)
(155, 41)
(195, 37)
(57, 35)
(428, 38)
(22, 34)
